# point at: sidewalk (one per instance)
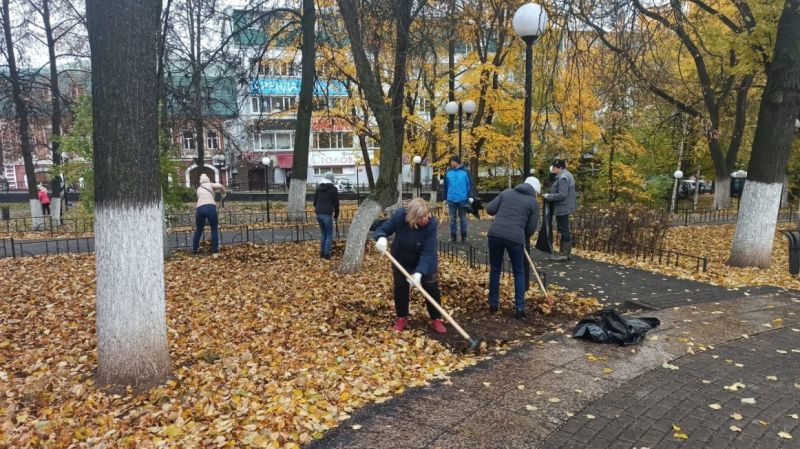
(568, 393)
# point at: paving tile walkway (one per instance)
(539, 395)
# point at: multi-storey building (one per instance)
(268, 109)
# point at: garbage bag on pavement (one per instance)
(611, 327)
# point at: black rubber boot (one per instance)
(565, 253)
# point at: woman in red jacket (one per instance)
(44, 199)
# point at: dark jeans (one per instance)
(562, 223)
(430, 283)
(457, 210)
(203, 213)
(497, 246)
(46, 209)
(325, 234)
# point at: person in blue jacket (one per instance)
(416, 249)
(457, 188)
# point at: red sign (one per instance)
(330, 124)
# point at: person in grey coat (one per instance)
(516, 214)
(562, 201)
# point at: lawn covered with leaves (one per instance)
(270, 348)
(713, 242)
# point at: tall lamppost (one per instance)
(266, 161)
(529, 22)
(417, 175)
(457, 107)
(677, 175)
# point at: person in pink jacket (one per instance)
(44, 199)
(206, 209)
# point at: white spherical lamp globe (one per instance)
(469, 106)
(417, 159)
(265, 160)
(530, 20)
(451, 108)
(678, 174)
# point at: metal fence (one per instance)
(644, 253)
(47, 225)
(720, 216)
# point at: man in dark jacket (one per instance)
(516, 214)
(562, 200)
(326, 206)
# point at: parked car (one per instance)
(343, 184)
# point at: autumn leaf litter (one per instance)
(270, 348)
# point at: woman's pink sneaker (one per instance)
(438, 326)
(400, 324)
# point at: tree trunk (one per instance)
(772, 143)
(55, 118)
(696, 188)
(385, 192)
(132, 344)
(722, 192)
(297, 195)
(362, 141)
(21, 109)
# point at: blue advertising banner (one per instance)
(291, 86)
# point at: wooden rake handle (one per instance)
(428, 297)
(533, 267)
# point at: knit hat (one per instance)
(534, 183)
(559, 163)
(329, 176)
(204, 179)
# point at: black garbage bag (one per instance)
(544, 242)
(377, 223)
(475, 208)
(608, 326)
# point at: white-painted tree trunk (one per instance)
(755, 228)
(55, 210)
(132, 346)
(36, 214)
(357, 235)
(722, 193)
(297, 200)
(434, 197)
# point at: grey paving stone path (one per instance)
(642, 412)
(540, 394)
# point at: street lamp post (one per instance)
(529, 22)
(358, 188)
(677, 175)
(457, 107)
(266, 161)
(417, 175)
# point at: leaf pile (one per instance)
(270, 348)
(713, 242)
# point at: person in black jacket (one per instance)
(416, 249)
(516, 214)
(326, 206)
